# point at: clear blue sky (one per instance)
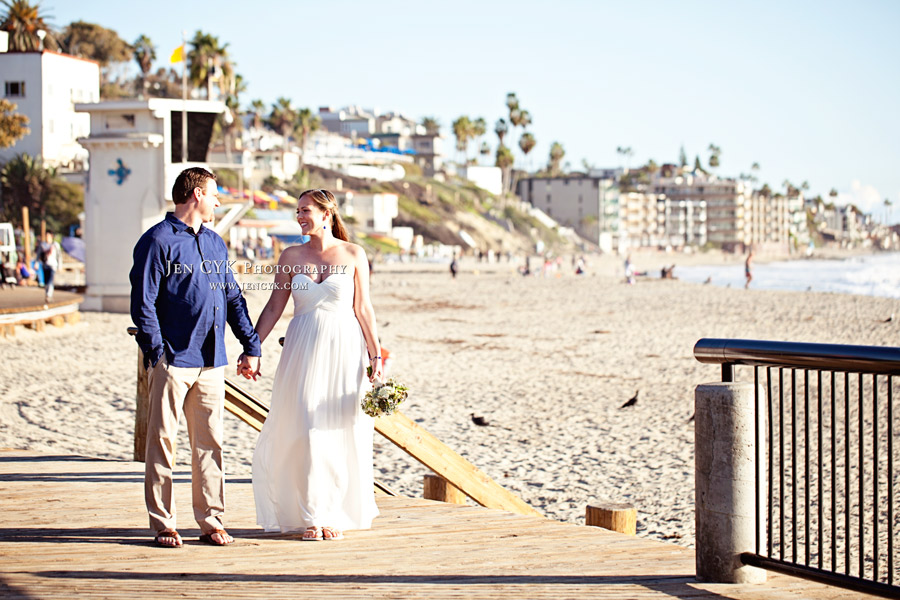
(809, 89)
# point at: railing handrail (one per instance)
(799, 355)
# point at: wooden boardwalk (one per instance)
(75, 527)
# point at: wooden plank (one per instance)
(75, 527)
(440, 458)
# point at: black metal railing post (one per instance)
(865, 517)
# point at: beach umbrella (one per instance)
(74, 247)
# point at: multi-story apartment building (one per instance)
(45, 87)
(589, 205)
(639, 220)
(771, 221)
(726, 205)
(681, 222)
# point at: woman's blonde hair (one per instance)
(326, 201)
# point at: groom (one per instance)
(182, 296)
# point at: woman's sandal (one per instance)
(313, 534)
(330, 534)
(168, 534)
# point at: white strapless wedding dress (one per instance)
(313, 461)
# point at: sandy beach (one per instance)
(550, 360)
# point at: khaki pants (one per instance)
(199, 394)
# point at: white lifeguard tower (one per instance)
(135, 155)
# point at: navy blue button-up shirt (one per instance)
(183, 293)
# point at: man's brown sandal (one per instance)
(168, 534)
(207, 538)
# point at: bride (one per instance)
(312, 467)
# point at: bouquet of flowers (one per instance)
(384, 398)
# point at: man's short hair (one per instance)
(187, 180)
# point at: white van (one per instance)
(7, 252)
(7, 239)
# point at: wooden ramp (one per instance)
(74, 527)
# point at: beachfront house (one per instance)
(373, 213)
(352, 121)
(45, 86)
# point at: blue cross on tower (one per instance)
(121, 173)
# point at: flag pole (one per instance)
(184, 152)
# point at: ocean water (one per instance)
(869, 275)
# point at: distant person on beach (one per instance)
(629, 271)
(182, 297)
(48, 253)
(748, 269)
(312, 467)
(454, 267)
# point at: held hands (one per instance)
(248, 366)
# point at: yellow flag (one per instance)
(177, 55)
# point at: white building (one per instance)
(374, 213)
(135, 156)
(681, 222)
(727, 203)
(351, 121)
(45, 87)
(487, 178)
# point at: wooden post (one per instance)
(438, 488)
(615, 517)
(26, 237)
(142, 410)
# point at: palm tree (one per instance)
(307, 122)
(833, 193)
(479, 128)
(485, 149)
(789, 188)
(230, 122)
(501, 128)
(765, 191)
(258, 110)
(887, 210)
(504, 160)
(24, 182)
(512, 102)
(144, 55)
(23, 21)
(431, 125)
(557, 152)
(527, 143)
(714, 153)
(462, 129)
(13, 126)
(626, 152)
(208, 62)
(282, 119)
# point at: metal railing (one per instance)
(829, 469)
